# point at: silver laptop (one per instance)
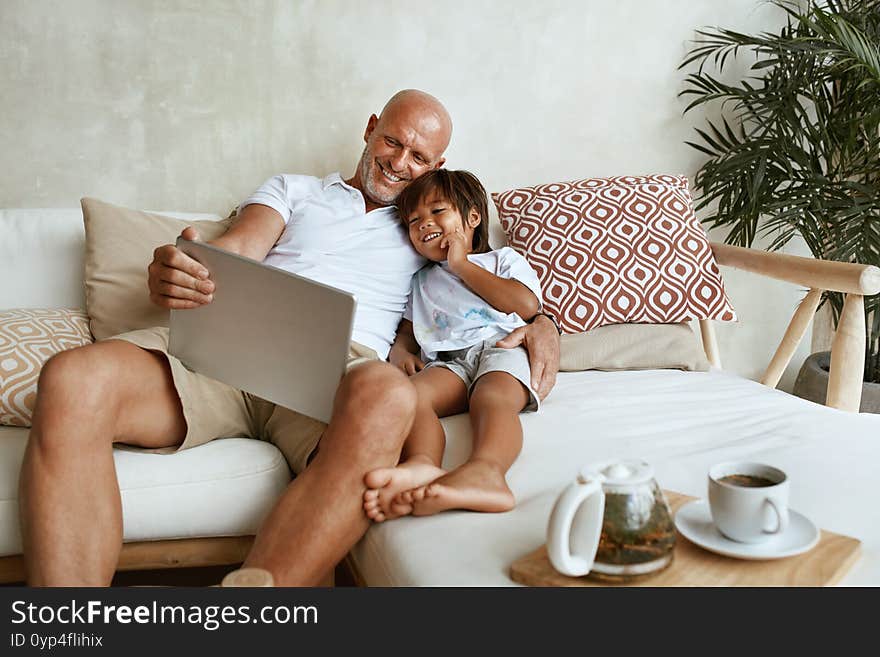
(277, 335)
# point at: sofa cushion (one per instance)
(28, 338)
(616, 250)
(119, 246)
(633, 347)
(223, 488)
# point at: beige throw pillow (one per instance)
(633, 347)
(28, 338)
(119, 247)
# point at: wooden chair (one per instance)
(848, 348)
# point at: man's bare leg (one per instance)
(480, 484)
(70, 507)
(320, 517)
(440, 392)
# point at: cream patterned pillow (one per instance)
(28, 338)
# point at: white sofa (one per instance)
(681, 422)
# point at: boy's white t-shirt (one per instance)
(447, 315)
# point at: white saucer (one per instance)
(694, 521)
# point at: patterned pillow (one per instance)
(28, 338)
(616, 250)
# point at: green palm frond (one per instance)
(796, 150)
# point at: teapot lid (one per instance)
(626, 472)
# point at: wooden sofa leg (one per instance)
(792, 338)
(710, 342)
(848, 357)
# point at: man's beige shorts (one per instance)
(216, 410)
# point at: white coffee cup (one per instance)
(748, 501)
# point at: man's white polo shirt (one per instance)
(330, 238)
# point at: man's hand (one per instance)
(541, 341)
(177, 281)
(409, 363)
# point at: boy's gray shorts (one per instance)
(473, 362)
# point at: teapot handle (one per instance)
(560, 525)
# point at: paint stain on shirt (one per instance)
(441, 319)
(479, 314)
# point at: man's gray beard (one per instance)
(370, 191)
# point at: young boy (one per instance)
(460, 306)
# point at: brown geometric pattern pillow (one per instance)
(28, 338)
(616, 250)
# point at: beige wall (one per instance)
(189, 105)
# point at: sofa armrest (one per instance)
(818, 274)
(848, 349)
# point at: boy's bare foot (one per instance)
(475, 486)
(383, 485)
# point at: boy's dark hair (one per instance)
(461, 188)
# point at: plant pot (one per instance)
(812, 383)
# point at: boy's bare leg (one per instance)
(320, 516)
(440, 393)
(70, 507)
(479, 484)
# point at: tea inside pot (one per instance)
(638, 535)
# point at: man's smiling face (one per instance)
(405, 142)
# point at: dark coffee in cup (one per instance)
(748, 501)
(747, 481)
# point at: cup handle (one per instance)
(781, 517)
(559, 527)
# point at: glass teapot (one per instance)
(612, 523)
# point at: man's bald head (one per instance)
(407, 139)
(423, 104)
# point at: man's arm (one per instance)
(178, 281)
(541, 340)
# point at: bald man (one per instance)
(140, 395)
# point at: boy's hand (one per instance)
(409, 363)
(457, 248)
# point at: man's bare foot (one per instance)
(475, 486)
(383, 485)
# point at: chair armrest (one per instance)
(848, 349)
(815, 274)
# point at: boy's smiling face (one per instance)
(434, 218)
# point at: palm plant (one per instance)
(796, 147)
